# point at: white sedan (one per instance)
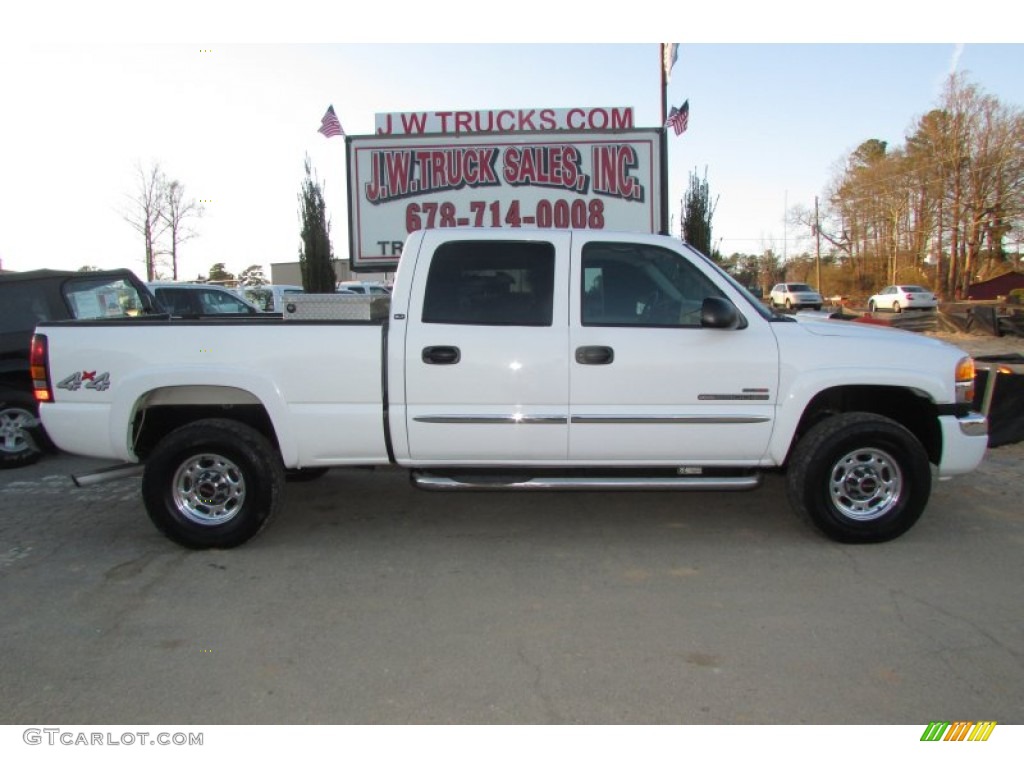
(794, 296)
(900, 297)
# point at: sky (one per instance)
(773, 111)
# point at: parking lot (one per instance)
(370, 602)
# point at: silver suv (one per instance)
(794, 296)
(197, 299)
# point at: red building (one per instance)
(996, 287)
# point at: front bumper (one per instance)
(964, 440)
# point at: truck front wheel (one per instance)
(214, 483)
(859, 478)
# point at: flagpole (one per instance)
(664, 87)
(664, 143)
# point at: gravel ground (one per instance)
(978, 345)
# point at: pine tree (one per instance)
(697, 213)
(316, 256)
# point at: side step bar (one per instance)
(115, 472)
(432, 482)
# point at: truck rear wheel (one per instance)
(214, 483)
(859, 478)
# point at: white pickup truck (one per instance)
(526, 359)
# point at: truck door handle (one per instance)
(441, 355)
(594, 355)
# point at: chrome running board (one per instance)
(479, 482)
(116, 472)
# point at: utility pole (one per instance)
(785, 211)
(817, 244)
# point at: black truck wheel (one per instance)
(859, 478)
(214, 483)
(19, 436)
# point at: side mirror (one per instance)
(718, 313)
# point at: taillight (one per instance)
(965, 381)
(38, 369)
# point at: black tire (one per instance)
(305, 475)
(859, 478)
(214, 483)
(20, 435)
(896, 307)
(789, 305)
(871, 306)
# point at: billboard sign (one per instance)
(557, 179)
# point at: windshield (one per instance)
(802, 287)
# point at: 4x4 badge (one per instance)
(87, 379)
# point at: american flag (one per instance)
(669, 53)
(330, 125)
(679, 119)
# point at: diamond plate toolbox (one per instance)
(335, 306)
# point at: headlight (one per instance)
(965, 380)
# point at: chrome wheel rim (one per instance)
(865, 484)
(14, 426)
(208, 489)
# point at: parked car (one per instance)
(900, 297)
(197, 299)
(794, 296)
(27, 298)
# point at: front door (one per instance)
(648, 384)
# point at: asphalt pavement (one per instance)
(368, 601)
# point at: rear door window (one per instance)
(102, 298)
(491, 283)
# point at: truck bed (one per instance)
(320, 381)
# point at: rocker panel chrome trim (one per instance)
(442, 483)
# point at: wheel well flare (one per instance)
(164, 410)
(915, 412)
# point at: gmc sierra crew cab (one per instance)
(520, 359)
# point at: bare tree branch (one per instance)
(145, 211)
(176, 214)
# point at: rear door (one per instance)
(486, 358)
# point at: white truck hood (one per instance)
(847, 329)
(818, 353)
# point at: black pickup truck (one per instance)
(28, 298)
